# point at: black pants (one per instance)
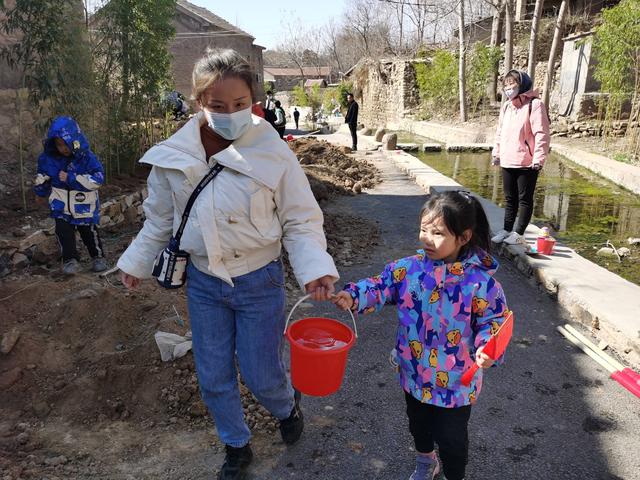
(66, 233)
(519, 185)
(296, 120)
(445, 426)
(354, 137)
(281, 130)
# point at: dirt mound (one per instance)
(331, 171)
(85, 361)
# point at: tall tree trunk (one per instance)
(557, 34)
(461, 66)
(496, 37)
(535, 25)
(508, 34)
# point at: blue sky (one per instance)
(253, 17)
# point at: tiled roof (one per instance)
(211, 17)
(295, 72)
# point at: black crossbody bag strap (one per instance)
(215, 170)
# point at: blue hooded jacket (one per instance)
(76, 200)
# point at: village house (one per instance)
(287, 78)
(196, 29)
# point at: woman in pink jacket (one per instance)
(521, 148)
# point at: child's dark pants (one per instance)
(445, 426)
(66, 233)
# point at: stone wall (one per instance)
(21, 248)
(386, 91)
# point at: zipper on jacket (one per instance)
(528, 148)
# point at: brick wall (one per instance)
(187, 51)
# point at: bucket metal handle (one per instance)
(355, 328)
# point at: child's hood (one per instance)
(68, 130)
(474, 260)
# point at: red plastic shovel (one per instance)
(626, 379)
(494, 348)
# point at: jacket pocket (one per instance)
(528, 148)
(261, 210)
(82, 204)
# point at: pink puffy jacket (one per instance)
(522, 136)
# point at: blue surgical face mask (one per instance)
(511, 92)
(229, 126)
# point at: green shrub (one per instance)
(480, 64)
(438, 82)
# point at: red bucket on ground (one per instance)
(545, 245)
(319, 350)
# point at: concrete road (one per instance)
(550, 412)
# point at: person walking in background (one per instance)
(270, 109)
(259, 201)
(448, 302)
(296, 117)
(521, 148)
(70, 174)
(281, 120)
(352, 120)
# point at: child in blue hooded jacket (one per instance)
(69, 174)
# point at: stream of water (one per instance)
(584, 209)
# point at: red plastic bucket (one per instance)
(319, 350)
(545, 245)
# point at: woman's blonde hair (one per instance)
(216, 65)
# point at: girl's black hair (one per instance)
(460, 211)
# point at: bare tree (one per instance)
(295, 44)
(508, 34)
(461, 64)
(362, 17)
(496, 37)
(535, 25)
(557, 36)
(331, 39)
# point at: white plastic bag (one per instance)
(172, 346)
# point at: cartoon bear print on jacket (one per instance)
(444, 309)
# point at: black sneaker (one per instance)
(236, 463)
(291, 427)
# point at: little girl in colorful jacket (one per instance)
(448, 305)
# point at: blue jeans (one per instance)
(245, 321)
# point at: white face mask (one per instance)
(511, 92)
(229, 126)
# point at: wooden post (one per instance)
(552, 55)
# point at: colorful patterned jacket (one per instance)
(75, 200)
(445, 312)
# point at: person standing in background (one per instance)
(352, 120)
(296, 117)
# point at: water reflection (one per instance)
(575, 202)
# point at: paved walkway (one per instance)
(549, 413)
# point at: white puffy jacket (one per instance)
(237, 224)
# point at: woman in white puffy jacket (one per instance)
(234, 235)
